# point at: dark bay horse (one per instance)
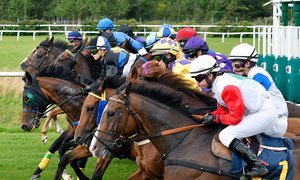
(43, 55)
(146, 156)
(151, 112)
(41, 91)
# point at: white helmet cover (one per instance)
(243, 51)
(202, 65)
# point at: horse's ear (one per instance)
(133, 74)
(28, 78)
(50, 42)
(126, 91)
(84, 42)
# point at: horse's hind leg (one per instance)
(65, 136)
(79, 152)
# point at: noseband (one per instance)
(119, 139)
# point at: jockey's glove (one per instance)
(209, 119)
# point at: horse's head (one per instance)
(89, 111)
(43, 55)
(117, 123)
(34, 104)
(69, 53)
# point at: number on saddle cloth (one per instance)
(280, 163)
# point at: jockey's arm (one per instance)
(232, 97)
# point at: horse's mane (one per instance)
(169, 90)
(113, 82)
(60, 72)
(57, 43)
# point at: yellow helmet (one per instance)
(165, 45)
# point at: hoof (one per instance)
(45, 139)
(35, 176)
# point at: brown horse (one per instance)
(150, 111)
(143, 154)
(41, 91)
(43, 55)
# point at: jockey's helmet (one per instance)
(97, 43)
(203, 65)
(151, 39)
(166, 32)
(165, 45)
(184, 34)
(105, 24)
(126, 29)
(195, 44)
(243, 52)
(74, 35)
(166, 26)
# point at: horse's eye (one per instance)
(29, 98)
(111, 113)
(90, 108)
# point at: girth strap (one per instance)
(169, 162)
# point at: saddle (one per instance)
(223, 152)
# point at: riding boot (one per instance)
(256, 167)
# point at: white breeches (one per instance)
(261, 121)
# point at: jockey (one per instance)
(75, 38)
(106, 62)
(196, 46)
(243, 104)
(151, 40)
(244, 58)
(184, 34)
(127, 30)
(166, 55)
(107, 25)
(166, 32)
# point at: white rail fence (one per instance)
(146, 30)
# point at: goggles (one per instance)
(201, 77)
(190, 52)
(238, 64)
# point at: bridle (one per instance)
(37, 67)
(119, 139)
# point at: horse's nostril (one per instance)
(24, 127)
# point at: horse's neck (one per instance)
(59, 91)
(82, 69)
(156, 117)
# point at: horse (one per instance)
(38, 93)
(157, 113)
(143, 154)
(43, 55)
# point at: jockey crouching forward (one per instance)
(106, 62)
(165, 57)
(243, 104)
(244, 58)
(107, 25)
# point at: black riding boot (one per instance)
(256, 167)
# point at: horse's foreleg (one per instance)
(65, 136)
(79, 152)
(101, 166)
(45, 128)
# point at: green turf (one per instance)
(21, 153)
(12, 52)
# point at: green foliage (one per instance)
(176, 11)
